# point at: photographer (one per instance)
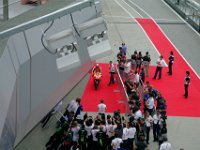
(88, 127)
(156, 125)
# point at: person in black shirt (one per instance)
(119, 55)
(129, 86)
(82, 138)
(146, 62)
(101, 136)
(141, 145)
(170, 63)
(139, 61)
(186, 83)
(134, 60)
(142, 76)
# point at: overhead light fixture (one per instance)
(94, 32)
(64, 45)
(57, 40)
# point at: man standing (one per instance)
(150, 103)
(186, 83)
(156, 125)
(136, 79)
(101, 136)
(112, 73)
(101, 107)
(160, 63)
(165, 145)
(170, 63)
(146, 62)
(127, 69)
(124, 48)
(116, 142)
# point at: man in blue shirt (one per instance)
(124, 48)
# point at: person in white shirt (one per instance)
(131, 136)
(165, 145)
(112, 73)
(136, 79)
(101, 107)
(89, 125)
(116, 142)
(137, 114)
(156, 125)
(75, 130)
(125, 136)
(160, 64)
(127, 68)
(150, 104)
(73, 105)
(148, 123)
(94, 138)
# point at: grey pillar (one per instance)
(5, 10)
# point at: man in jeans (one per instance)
(160, 64)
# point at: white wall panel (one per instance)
(20, 47)
(7, 83)
(7, 138)
(23, 83)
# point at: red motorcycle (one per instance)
(97, 78)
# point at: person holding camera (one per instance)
(88, 127)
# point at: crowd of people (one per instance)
(117, 132)
(148, 106)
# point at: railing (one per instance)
(124, 97)
(188, 9)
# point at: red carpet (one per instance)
(110, 94)
(172, 87)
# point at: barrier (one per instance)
(124, 97)
(188, 9)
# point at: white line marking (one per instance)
(117, 16)
(124, 9)
(140, 8)
(132, 9)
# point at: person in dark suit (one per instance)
(170, 62)
(186, 84)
